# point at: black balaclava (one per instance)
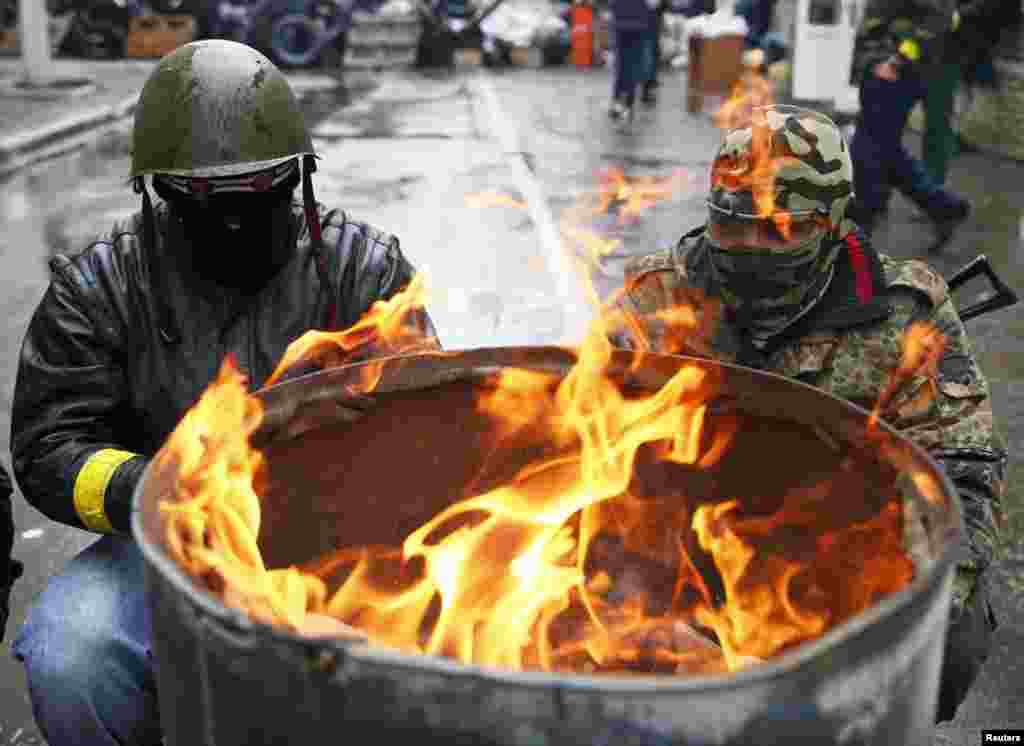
(235, 239)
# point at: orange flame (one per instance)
(493, 199)
(635, 195)
(627, 197)
(540, 572)
(757, 174)
(922, 348)
(213, 523)
(386, 329)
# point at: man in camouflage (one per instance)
(783, 281)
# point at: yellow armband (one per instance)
(91, 487)
(910, 49)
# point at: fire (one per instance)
(751, 90)
(634, 196)
(616, 194)
(565, 566)
(493, 199)
(213, 524)
(922, 347)
(384, 330)
(757, 174)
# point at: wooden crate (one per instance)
(394, 30)
(469, 57)
(361, 57)
(715, 65)
(9, 42)
(156, 35)
(526, 57)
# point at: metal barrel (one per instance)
(225, 679)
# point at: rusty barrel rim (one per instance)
(482, 362)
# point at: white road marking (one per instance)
(32, 533)
(574, 306)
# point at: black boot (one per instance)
(621, 111)
(649, 93)
(945, 225)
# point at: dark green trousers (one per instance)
(939, 145)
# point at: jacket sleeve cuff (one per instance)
(120, 492)
(103, 489)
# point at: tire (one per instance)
(294, 40)
(189, 7)
(8, 14)
(94, 41)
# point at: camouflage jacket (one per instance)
(913, 31)
(846, 346)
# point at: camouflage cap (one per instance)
(788, 159)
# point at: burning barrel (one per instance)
(781, 576)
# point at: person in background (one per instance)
(649, 91)
(133, 328)
(967, 57)
(816, 302)
(760, 15)
(898, 49)
(634, 24)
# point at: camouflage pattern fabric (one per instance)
(956, 424)
(785, 162)
(796, 156)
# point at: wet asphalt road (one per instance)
(404, 151)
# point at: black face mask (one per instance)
(235, 240)
(767, 290)
(758, 276)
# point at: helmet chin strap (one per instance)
(168, 327)
(313, 224)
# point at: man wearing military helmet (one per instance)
(131, 331)
(782, 280)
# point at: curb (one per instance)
(22, 148)
(27, 147)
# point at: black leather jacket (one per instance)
(98, 370)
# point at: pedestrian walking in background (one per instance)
(967, 48)
(760, 15)
(896, 53)
(634, 24)
(649, 94)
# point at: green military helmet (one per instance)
(787, 158)
(216, 108)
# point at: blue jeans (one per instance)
(881, 163)
(634, 62)
(87, 653)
